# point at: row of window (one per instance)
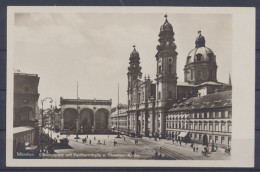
(124, 123)
(205, 115)
(218, 127)
(216, 138)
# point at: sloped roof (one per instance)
(185, 84)
(208, 101)
(21, 129)
(210, 83)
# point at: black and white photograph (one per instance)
(145, 85)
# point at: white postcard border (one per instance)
(243, 91)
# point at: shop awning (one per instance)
(183, 134)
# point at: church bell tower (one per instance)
(166, 77)
(166, 58)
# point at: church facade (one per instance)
(151, 103)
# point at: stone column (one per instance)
(127, 121)
(62, 123)
(151, 124)
(130, 121)
(94, 120)
(155, 123)
(162, 124)
(77, 125)
(141, 123)
(146, 123)
(136, 120)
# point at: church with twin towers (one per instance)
(152, 102)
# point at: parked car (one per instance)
(64, 141)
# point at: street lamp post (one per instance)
(42, 101)
(118, 135)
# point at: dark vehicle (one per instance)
(50, 149)
(64, 141)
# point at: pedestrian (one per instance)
(156, 154)
(90, 141)
(194, 149)
(114, 143)
(87, 136)
(197, 148)
(94, 138)
(229, 149)
(212, 147)
(133, 153)
(205, 151)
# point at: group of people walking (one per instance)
(87, 139)
(84, 140)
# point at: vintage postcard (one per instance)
(130, 86)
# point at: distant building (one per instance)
(85, 116)
(119, 118)
(25, 117)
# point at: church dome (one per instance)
(166, 25)
(200, 53)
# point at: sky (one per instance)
(94, 49)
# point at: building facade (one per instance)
(151, 104)
(148, 102)
(206, 119)
(26, 111)
(85, 116)
(119, 119)
(26, 97)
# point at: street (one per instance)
(110, 147)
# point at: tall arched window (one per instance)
(211, 57)
(191, 76)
